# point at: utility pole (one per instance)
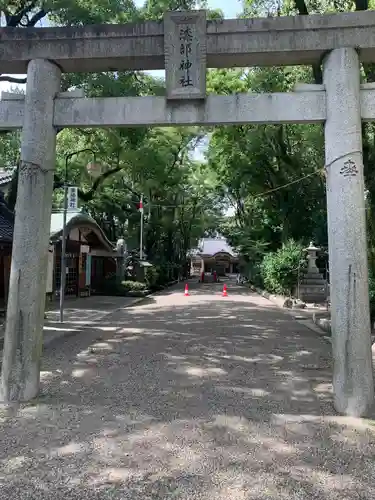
(141, 229)
(63, 243)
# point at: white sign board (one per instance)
(72, 198)
(50, 265)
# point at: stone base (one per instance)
(313, 298)
(323, 321)
(313, 288)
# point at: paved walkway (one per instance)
(78, 313)
(187, 398)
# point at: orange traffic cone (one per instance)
(186, 290)
(225, 294)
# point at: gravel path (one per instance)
(78, 312)
(187, 398)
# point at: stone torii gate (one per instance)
(185, 45)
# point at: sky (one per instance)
(230, 7)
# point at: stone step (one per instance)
(313, 282)
(313, 276)
(314, 299)
(313, 292)
(312, 288)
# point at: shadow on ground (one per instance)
(199, 397)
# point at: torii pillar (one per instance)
(351, 331)
(27, 286)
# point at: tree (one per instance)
(128, 83)
(137, 160)
(271, 174)
(156, 162)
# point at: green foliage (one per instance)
(133, 286)
(80, 12)
(9, 150)
(372, 297)
(112, 287)
(371, 264)
(179, 198)
(280, 270)
(270, 175)
(151, 277)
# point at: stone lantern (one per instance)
(311, 258)
(120, 261)
(121, 247)
(313, 287)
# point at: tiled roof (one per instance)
(5, 177)
(75, 217)
(56, 227)
(212, 246)
(6, 222)
(6, 230)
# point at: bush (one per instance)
(252, 271)
(133, 286)
(151, 277)
(162, 275)
(280, 269)
(112, 287)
